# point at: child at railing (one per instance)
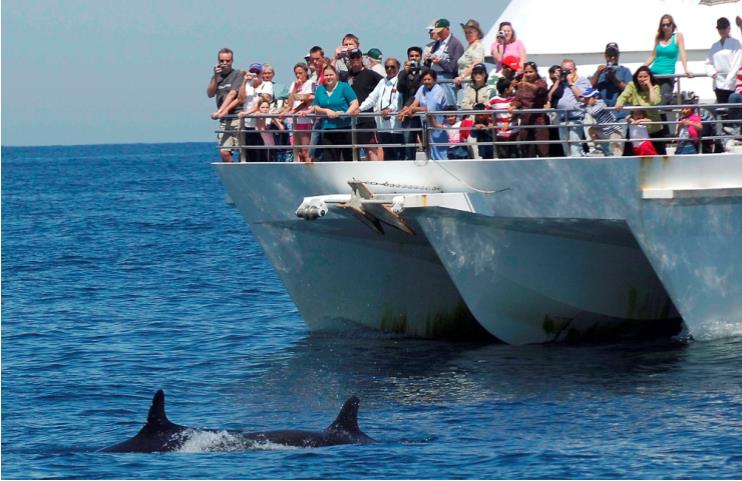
(506, 133)
(603, 130)
(639, 134)
(264, 125)
(482, 133)
(458, 131)
(688, 131)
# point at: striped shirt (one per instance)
(602, 115)
(503, 118)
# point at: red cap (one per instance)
(511, 62)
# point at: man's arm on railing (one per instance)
(229, 101)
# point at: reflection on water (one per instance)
(388, 369)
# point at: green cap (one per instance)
(374, 53)
(442, 23)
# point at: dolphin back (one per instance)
(346, 423)
(156, 435)
(156, 417)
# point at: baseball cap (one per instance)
(255, 68)
(612, 46)
(590, 92)
(355, 53)
(722, 22)
(374, 53)
(442, 23)
(511, 62)
(479, 67)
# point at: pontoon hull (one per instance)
(565, 247)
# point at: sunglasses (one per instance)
(390, 67)
(665, 25)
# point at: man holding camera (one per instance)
(611, 78)
(225, 85)
(364, 82)
(350, 42)
(444, 57)
(572, 112)
(410, 80)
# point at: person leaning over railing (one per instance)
(386, 101)
(332, 99)
(364, 81)
(644, 91)
(225, 84)
(430, 97)
(254, 89)
(300, 100)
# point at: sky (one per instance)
(135, 71)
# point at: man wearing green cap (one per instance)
(374, 57)
(444, 57)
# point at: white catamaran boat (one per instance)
(528, 250)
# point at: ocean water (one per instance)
(123, 272)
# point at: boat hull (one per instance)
(547, 249)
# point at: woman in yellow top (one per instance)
(643, 90)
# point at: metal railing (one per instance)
(423, 135)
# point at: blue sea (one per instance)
(124, 272)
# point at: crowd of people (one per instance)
(315, 113)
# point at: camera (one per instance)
(414, 66)
(500, 34)
(565, 73)
(611, 66)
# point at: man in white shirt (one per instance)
(386, 100)
(724, 61)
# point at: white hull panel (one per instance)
(592, 238)
(540, 281)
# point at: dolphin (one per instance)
(159, 434)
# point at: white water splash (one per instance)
(717, 330)
(223, 441)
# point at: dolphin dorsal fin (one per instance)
(347, 419)
(156, 416)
